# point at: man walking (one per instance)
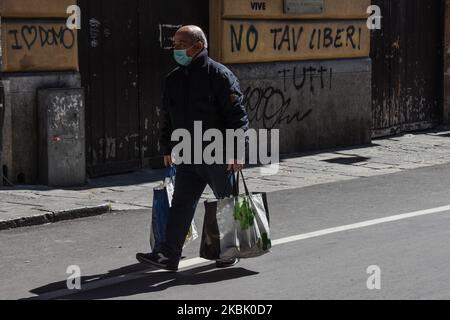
(200, 89)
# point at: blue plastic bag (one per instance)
(162, 201)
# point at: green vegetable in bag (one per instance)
(244, 214)
(266, 242)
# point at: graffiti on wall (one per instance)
(260, 41)
(166, 35)
(290, 38)
(29, 36)
(66, 111)
(274, 106)
(94, 32)
(36, 46)
(310, 77)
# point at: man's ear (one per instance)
(197, 48)
(199, 45)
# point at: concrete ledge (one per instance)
(54, 217)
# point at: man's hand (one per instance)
(235, 166)
(168, 161)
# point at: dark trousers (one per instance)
(190, 182)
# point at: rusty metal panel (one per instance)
(109, 67)
(124, 57)
(407, 55)
(2, 118)
(159, 22)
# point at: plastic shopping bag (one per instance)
(236, 227)
(162, 201)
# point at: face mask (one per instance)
(181, 57)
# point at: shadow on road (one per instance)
(148, 283)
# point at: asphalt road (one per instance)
(411, 251)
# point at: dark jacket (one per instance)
(204, 91)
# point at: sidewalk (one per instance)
(34, 205)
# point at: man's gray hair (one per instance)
(197, 34)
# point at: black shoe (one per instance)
(227, 263)
(158, 260)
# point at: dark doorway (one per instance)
(124, 56)
(407, 57)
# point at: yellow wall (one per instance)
(274, 9)
(245, 31)
(34, 8)
(37, 46)
(30, 44)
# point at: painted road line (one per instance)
(197, 261)
(360, 225)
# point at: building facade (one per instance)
(312, 69)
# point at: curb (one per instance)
(54, 217)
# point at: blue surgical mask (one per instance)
(181, 57)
